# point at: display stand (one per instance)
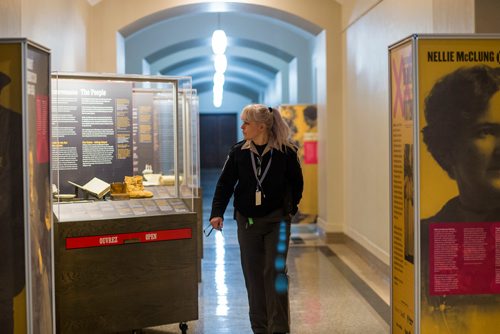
(131, 263)
(121, 274)
(444, 122)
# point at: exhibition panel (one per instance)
(26, 295)
(445, 183)
(302, 120)
(125, 188)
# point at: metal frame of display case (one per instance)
(189, 104)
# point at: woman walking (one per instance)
(264, 174)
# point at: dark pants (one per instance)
(259, 248)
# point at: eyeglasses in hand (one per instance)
(210, 231)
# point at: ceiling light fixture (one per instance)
(219, 45)
(219, 42)
(220, 63)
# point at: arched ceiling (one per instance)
(264, 45)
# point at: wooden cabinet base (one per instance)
(105, 282)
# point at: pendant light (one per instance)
(219, 45)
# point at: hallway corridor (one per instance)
(332, 289)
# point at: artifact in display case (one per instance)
(119, 191)
(124, 133)
(135, 187)
(95, 187)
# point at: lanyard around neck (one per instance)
(261, 179)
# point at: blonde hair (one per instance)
(277, 129)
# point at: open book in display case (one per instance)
(126, 201)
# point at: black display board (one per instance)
(92, 131)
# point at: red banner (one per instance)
(464, 258)
(42, 129)
(311, 152)
(125, 238)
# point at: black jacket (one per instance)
(281, 188)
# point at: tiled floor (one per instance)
(332, 289)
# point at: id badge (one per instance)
(258, 197)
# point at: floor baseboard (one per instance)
(339, 237)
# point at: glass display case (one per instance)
(189, 111)
(125, 187)
(118, 138)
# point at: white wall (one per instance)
(273, 94)
(61, 26)
(455, 16)
(10, 18)
(366, 105)
(58, 25)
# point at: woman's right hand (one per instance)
(217, 223)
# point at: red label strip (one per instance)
(124, 238)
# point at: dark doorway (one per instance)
(217, 135)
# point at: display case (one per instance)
(189, 107)
(125, 188)
(189, 127)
